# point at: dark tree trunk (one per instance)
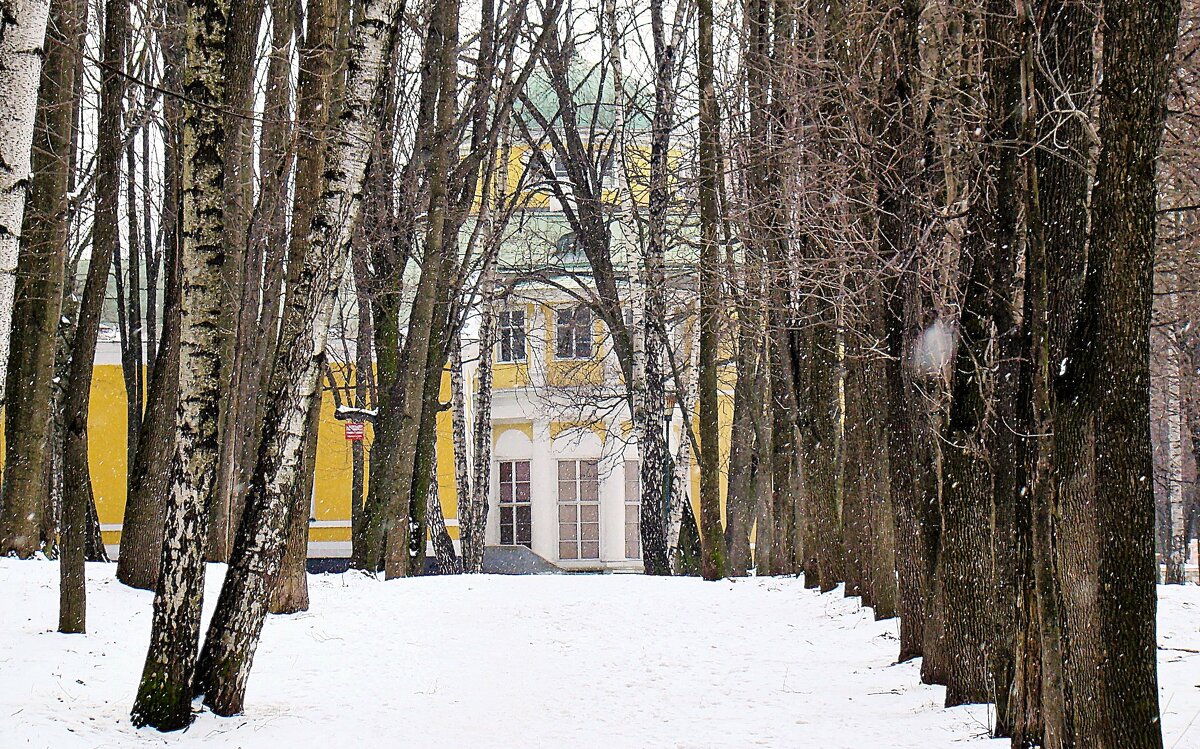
(1139, 44)
(289, 589)
(969, 454)
(77, 484)
(236, 340)
(900, 196)
(712, 537)
(149, 474)
(28, 422)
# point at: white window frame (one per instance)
(633, 504)
(507, 332)
(572, 508)
(576, 336)
(513, 503)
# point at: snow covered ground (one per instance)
(553, 661)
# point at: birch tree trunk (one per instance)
(465, 494)
(289, 586)
(22, 36)
(237, 623)
(38, 296)
(443, 545)
(1177, 551)
(472, 524)
(164, 695)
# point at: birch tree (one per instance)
(237, 623)
(165, 693)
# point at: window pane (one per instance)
(506, 353)
(633, 514)
(506, 493)
(583, 332)
(589, 550)
(567, 550)
(566, 470)
(591, 531)
(505, 472)
(589, 469)
(568, 513)
(565, 339)
(506, 516)
(522, 492)
(524, 533)
(633, 542)
(589, 513)
(523, 470)
(567, 532)
(589, 491)
(632, 480)
(566, 491)
(518, 344)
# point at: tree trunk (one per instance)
(1176, 550)
(1139, 43)
(472, 523)
(28, 422)
(289, 587)
(237, 623)
(898, 174)
(712, 545)
(402, 403)
(77, 483)
(164, 695)
(236, 340)
(443, 545)
(149, 474)
(1064, 542)
(22, 38)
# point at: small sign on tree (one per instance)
(355, 431)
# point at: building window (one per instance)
(578, 509)
(516, 512)
(633, 509)
(512, 335)
(573, 332)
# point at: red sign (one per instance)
(355, 431)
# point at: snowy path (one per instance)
(580, 662)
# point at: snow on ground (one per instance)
(552, 661)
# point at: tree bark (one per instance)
(149, 474)
(289, 587)
(402, 402)
(236, 340)
(22, 39)
(900, 187)
(237, 623)
(712, 545)
(38, 296)
(164, 694)
(1139, 43)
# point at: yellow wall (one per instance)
(107, 458)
